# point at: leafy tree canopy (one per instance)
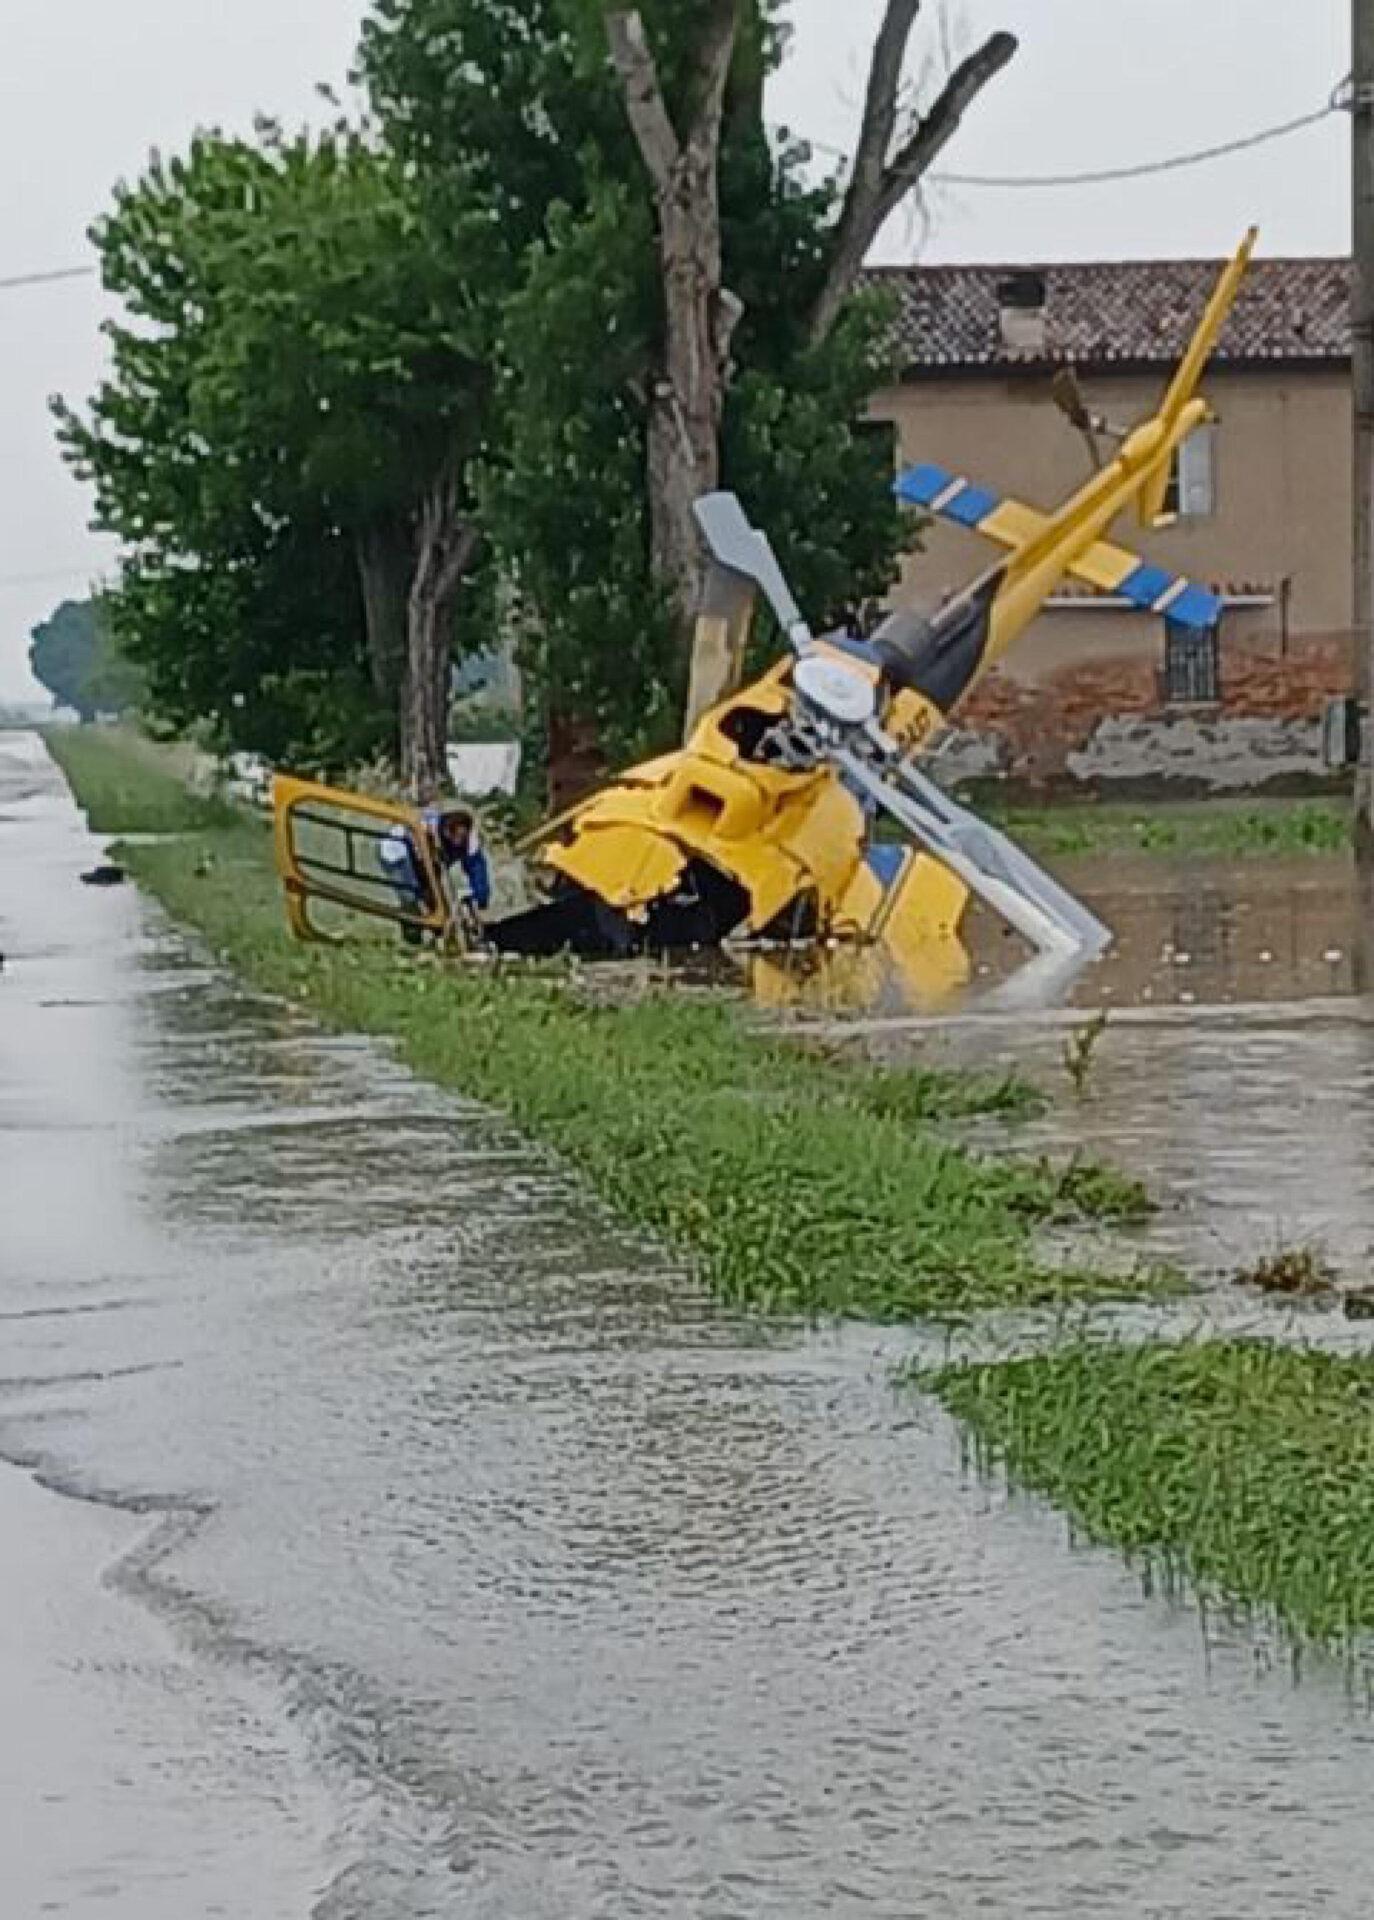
(300, 355)
(563, 493)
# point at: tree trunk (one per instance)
(687, 401)
(446, 542)
(385, 557)
(687, 406)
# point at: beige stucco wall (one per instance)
(1282, 499)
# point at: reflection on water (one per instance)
(590, 1599)
(1187, 931)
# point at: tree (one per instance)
(581, 337)
(75, 656)
(700, 314)
(300, 383)
(681, 152)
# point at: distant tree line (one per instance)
(393, 392)
(75, 655)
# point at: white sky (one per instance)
(87, 87)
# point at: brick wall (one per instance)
(1102, 721)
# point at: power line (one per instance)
(1140, 172)
(45, 279)
(1338, 103)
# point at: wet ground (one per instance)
(1235, 1072)
(441, 1552)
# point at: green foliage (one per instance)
(1239, 1469)
(563, 486)
(318, 329)
(564, 491)
(795, 1182)
(258, 648)
(300, 357)
(76, 656)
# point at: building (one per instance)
(1098, 691)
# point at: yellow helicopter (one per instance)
(774, 821)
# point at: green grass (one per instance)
(1234, 1469)
(124, 785)
(1215, 827)
(795, 1182)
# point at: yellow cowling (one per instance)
(779, 835)
(785, 838)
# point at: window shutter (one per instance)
(1196, 474)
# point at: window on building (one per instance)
(1192, 480)
(1192, 665)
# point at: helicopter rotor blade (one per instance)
(986, 860)
(740, 548)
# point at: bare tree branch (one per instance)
(879, 183)
(879, 122)
(943, 121)
(856, 228)
(644, 102)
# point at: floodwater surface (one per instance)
(500, 1575)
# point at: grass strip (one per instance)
(796, 1182)
(1216, 827)
(1235, 1469)
(126, 785)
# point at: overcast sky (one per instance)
(87, 87)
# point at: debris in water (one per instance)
(107, 875)
(1292, 1270)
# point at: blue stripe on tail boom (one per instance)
(1193, 606)
(967, 504)
(1146, 587)
(921, 485)
(1146, 584)
(971, 507)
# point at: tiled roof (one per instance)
(1136, 311)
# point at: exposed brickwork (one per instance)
(1038, 728)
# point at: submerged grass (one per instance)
(1217, 827)
(1235, 1469)
(796, 1182)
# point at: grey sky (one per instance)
(88, 86)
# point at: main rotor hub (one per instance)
(838, 693)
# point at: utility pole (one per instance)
(1362, 316)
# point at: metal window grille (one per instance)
(1192, 664)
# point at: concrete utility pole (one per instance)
(1362, 149)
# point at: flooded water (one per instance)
(440, 1551)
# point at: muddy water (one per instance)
(1236, 1070)
(570, 1595)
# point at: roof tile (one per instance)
(1134, 311)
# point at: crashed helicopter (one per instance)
(798, 808)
